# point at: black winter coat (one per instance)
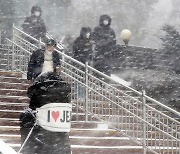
(105, 38)
(36, 63)
(82, 46)
(55, 91)
(35, 27)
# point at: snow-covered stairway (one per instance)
(86, 137)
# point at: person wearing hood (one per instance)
(82, 51)
(105, 41)
(34, 25)
(82, 46)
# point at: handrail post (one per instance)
(0, 36)
(39, 43)
(179, 146)
(86, 91)
(144, 119)
(179, 143)
(63, 58)
(13, 48)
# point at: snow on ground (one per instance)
(120, 80)
(6, 149)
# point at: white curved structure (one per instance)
(6, 149)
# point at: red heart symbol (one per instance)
(55, 115)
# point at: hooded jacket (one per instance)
(104, 36)
(82, 46)
(34, 25)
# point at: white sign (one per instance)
(55, 117)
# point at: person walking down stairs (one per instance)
(43, 61)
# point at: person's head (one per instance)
(85, 32)
(105, 20)
(50, 45)
(36, 11)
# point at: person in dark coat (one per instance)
(43, 60)
(105, 41)
(82, 46)
(34, 25)
(82, 51)
(47, 88)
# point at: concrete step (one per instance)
(13, 106)
(93, 132)
(92, 124)
(5, 122)
(11, 130)
(14, 99)
(21, 86)
(10, 74)
(13, 92)
(9, 122)
(81, 149)
(75, 132)
(86, 140)
(12, 79)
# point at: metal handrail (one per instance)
(34, 39)
(130, 113)
(18, 46)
